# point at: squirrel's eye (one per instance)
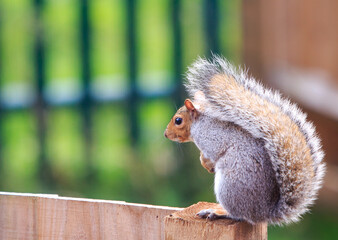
(178, 120)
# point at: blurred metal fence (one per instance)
(42, 101)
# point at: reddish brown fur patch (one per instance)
(179, 133)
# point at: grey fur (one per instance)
(245, 182)
(217, 108)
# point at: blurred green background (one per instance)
(86, 91)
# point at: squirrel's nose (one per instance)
(165, 134)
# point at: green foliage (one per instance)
(65, 147)
(20, 151)
(318, 224)
(16, 38)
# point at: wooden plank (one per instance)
(186, 225)
(30, 216)
(252, 53)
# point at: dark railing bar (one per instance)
(211, 26)
(1, 151)
(86, 77)
(177, 53)
(40, 105)
(1, 118)
(132, 73)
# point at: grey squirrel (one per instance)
(266, 156)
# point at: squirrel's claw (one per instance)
(212, 214)
(204, 213)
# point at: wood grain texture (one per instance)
(300, 33)
(29, 216)
(186, 225)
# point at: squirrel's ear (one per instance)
(191, 108)
(189, 105)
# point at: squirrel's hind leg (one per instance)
(213, 214)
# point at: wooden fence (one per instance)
(38, 216)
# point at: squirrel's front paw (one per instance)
(212, 214)
(207, 164)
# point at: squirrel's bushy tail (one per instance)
(293, 147)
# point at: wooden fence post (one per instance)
(186, 225)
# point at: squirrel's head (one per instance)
(178, 128)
